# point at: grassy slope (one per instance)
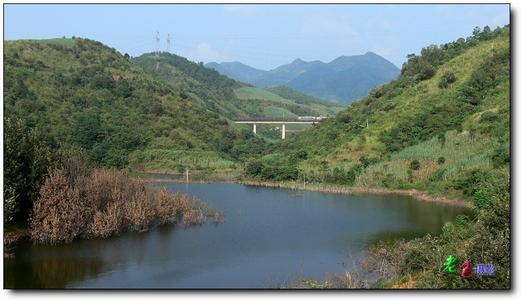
(88, 95)
(462, 151)
(282, 101)
(338, 144)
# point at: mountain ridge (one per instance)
(331, 81)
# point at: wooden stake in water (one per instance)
(187, 175)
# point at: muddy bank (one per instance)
(420, 195)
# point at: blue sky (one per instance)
(263, 36)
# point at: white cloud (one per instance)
(205, 52)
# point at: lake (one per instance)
(269, 238)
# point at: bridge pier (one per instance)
(282, 122)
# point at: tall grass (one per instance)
(105, 203)
(457, 146)
(461, 152)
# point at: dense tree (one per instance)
(26, 160)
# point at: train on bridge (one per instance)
(310, 118)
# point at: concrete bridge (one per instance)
(282, 121)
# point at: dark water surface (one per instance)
(269, 237)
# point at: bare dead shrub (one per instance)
(384, 262)
(103, 203)
(139, 212)
(108, 222)
(168, 206)
(208, 211)
(58, 214)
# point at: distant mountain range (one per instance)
(342, 80)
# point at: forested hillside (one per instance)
(80, 93)
(226, 96)
(442, 127)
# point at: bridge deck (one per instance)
(276, 122)
(273, 121)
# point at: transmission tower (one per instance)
(157, 50)
(168, 43)
(157, 43)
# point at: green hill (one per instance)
(226, 96)
(80, 93)
(442, 127)
(441, 100)
(282, 101)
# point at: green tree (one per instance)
(88, 130)
(26, 160)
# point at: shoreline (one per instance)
(326, 188)
(336, 189)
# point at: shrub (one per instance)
(438, 175)
(441, 160)
(500, 157)
(168, 211)
(471, 181)
(388, 180)
(489, 116)
(481, 199)
(58, 215)
(410, 175)
(367, 161)
(108, 222)
(415, 260)
(254, 167)
(446, 79)
(442, 139)
(105, 203)
(414, 165)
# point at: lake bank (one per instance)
(292, 185)
(338, 189)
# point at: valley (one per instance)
(168, 170)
